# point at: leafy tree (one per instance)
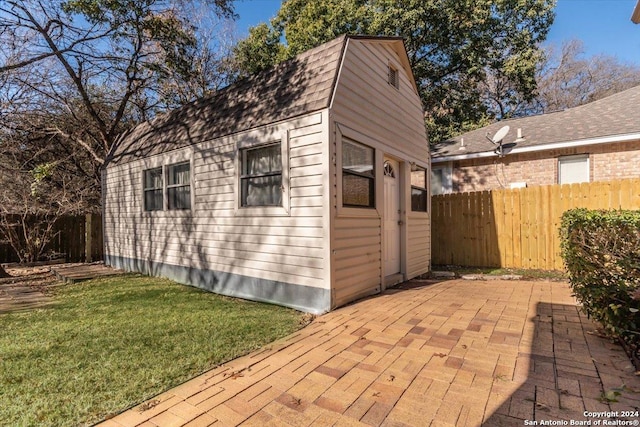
(453, 47)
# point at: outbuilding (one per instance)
(305, 185)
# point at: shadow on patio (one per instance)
(564, 375)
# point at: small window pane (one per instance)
(261, 181)
(179, 197)
(358, 175)
(153, 189)
(357, 190)
(573, 169)
(153, 200)
(179, 186)
(441, 182)
(419, 178)
(179, 174)
(263, 160)
(262, 191)
(153, 178)
(357, 158)
(419, 190)
(418, 199)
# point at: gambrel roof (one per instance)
(611, 119)
(292, 88)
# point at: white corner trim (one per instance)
(543, 147)
(343, 55)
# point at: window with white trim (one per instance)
(419, 194)
(358, 175)
(153, 189)
(441, 182)
(573, 169)
(179, 186)
(261, 178)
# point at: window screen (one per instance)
(358, 176)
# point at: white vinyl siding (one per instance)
(287, 248)
(369, 110)
(357, 245)
(418, 244)
(365, 102)
(573, 169)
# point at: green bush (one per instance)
(601, 250)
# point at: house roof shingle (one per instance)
(292, 88)
(618, 114)
(301, 85)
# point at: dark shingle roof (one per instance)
(299, 86)
(618, 114)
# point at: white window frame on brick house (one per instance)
(444, 184)
(573, 169)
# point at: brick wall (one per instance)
(606, 161)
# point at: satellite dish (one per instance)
(504, 149)
(499, 136)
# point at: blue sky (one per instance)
(603, 25)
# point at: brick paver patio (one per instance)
(454, 353)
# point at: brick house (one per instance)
(598, 141)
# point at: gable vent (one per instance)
(394, 79)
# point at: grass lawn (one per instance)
(111, 343)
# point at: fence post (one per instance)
(88, 244)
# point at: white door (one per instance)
(391, 242)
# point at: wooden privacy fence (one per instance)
(517, 228)
(78, 239)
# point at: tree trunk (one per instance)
(3, 273)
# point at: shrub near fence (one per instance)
(517, 228)
(601, 250)
(78, 239)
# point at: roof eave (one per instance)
(543, 147)
(635, 17)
